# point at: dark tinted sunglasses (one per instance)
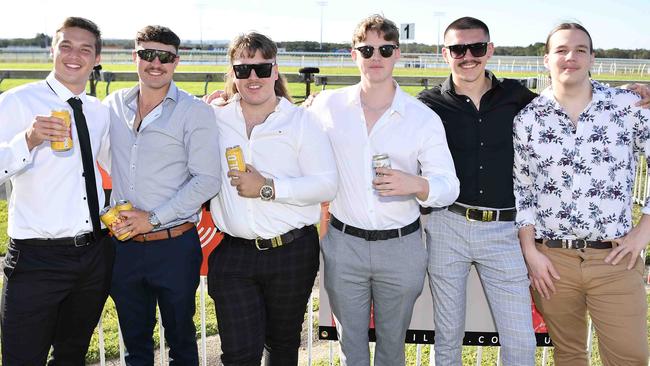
(385, 51)
(476, 49)
(165, 57)
(243, 71)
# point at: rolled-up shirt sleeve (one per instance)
(437, 166)
(202, 147)
(525, 197)
(319, 179)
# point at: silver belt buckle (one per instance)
(79, 237)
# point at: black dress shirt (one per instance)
(481, 140)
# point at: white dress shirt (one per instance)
(48, 199)
(575, 182)
(413, 137)
(288, 147)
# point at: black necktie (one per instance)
(88, 164)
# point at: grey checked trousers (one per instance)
(454, 244)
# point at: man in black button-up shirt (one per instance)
(480, 138)
(477, 111)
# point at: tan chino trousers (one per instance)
(615, 299)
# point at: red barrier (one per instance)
(210, 238)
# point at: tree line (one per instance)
(534, 49)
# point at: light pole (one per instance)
(201, 7)
(322, 5)
(438, 14)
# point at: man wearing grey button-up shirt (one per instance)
(164, 149)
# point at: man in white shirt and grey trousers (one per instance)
(374, 252)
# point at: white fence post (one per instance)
(204, 351)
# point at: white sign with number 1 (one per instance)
(407, 31)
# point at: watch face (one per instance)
(266, 192)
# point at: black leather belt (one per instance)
(280, 240)
(80, 240)
(372, 235)
(475, 214)
(576, 243)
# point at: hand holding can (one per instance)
(111, 216)
(235, 158)
(380, 161)
(66, 144)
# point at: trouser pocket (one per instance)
(11, 260)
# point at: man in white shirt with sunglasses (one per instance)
(373, 250)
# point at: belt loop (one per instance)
(344, 226)
(399, 232)
(169, 233)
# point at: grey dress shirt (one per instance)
(171, 165)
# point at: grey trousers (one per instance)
(387, 273)
(455, 244)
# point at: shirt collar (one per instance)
(131, 96)
(398, 105)
(598, 93)
(448, 84)
(283, 104)
(62, 91)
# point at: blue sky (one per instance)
(621, 23)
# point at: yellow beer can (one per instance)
(66, 144)
(235, 158)
(111, 216)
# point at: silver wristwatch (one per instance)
(153, 220)
(266, 192)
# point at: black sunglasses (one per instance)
(385, 51)
(476, 49)
(165, 57)
(263, 71)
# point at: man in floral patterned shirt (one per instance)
(575, 151)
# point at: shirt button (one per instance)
(6, 172)
(86, 221)
(84, 198)
(481, 191)
(468, 100)
(480, 119)
(480, 167)
(482, 143)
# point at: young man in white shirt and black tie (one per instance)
(58, 264)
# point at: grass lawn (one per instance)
(4, 239)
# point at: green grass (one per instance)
(4, 238)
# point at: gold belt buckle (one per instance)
(487, 215)
(467, 214)
(276, 242)
(257, 244)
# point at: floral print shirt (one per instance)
(575, 182)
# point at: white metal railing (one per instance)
(496, 63)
